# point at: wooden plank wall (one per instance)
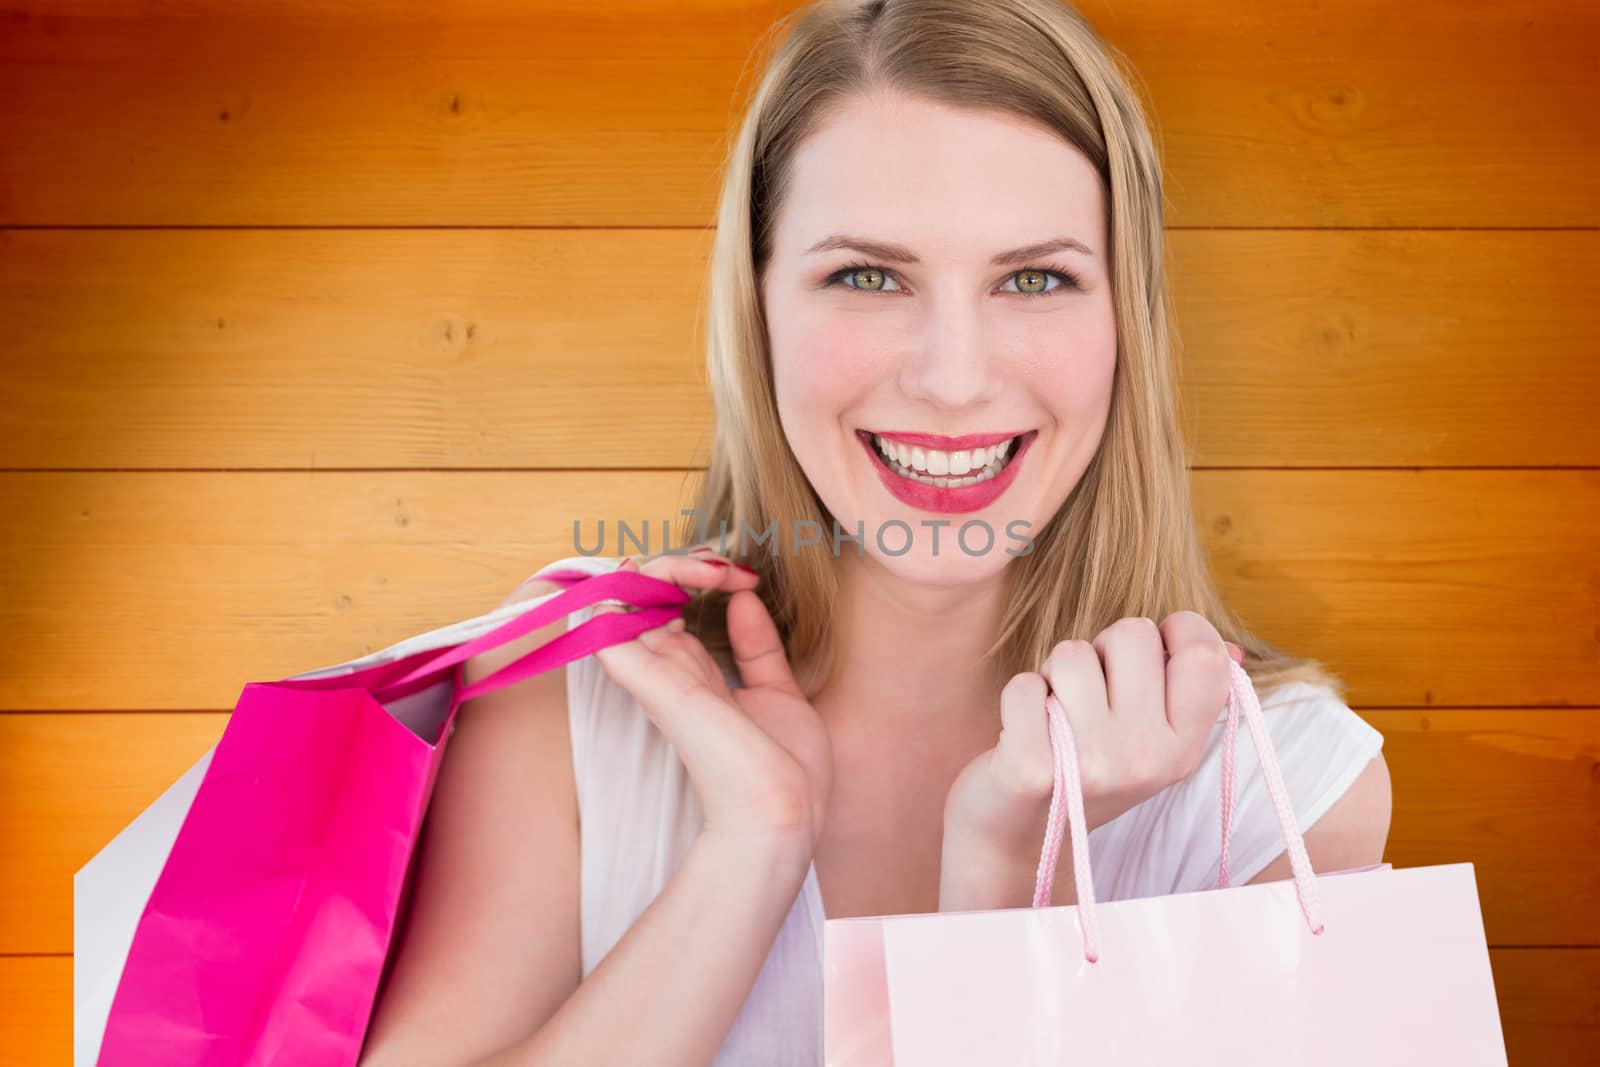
(321, 322)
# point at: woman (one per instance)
(937, 295)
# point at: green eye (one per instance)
(1038, 286)
(1030, 281)
(874, 274)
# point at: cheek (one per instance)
(1069, 362)
(827, 363)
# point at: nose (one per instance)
(954, 367)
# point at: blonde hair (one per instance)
(1130, 518)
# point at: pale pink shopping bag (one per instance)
(266, 935)
(1372, 966)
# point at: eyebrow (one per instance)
(894, 253)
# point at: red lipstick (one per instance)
(935, 498)
(948, 444)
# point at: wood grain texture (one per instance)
(324, 322)
(470, 348)
(73, 782)
(563, 114)
(167, 591)
(1549, 1004)
(1516, 793)
(1421, 587)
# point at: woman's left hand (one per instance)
(1141, 700)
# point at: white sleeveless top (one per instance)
(639, 813)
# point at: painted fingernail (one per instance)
(747, 570)
(713, 563)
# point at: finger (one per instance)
(1130, 653)
(709, 733)
(602, 607)
(1022, 757)
(686, 651)
(683, 571)
(661, 647)
(1234, 652)
(658, 638)
(757, 647)
(1198, 678)
(1074, 674)
(703, 570)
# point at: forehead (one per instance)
(944, 180)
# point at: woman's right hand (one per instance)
(759, 756)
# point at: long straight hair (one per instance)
(1124, 543)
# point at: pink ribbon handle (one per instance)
(1069, 787)
(658, 602)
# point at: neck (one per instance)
(910, 650)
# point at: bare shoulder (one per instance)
(1352, 833)
(487, 663)
(491, 944)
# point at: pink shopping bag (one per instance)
(266, 934)
(1372, 966)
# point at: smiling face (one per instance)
(963, 349)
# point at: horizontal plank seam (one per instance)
(35, 955)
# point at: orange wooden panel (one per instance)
(1511, 791)
(69, 784)
(165, 591)
(177, 589)
(1507, 790)
(574, 114)
(315, 349)
(35, 1010)
(1461, 588)
(1549, 1006)
(540, 349)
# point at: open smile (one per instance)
(947, 474)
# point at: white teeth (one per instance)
(931, 467)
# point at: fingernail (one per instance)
(713, 563)
(747, 570)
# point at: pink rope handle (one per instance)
(1069, 787)
(1065, 752)
(1281, 803)
(1230, 736)
(1244, 695)
(657, 602)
